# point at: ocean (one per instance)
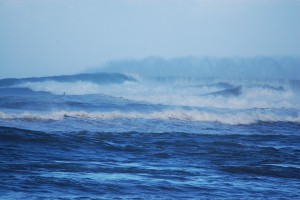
(122, 136)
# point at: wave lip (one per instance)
(236, 118)
(234, 91)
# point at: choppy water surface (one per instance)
(115, 136)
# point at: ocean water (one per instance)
(116, 136)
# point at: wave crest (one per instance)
(236, 118)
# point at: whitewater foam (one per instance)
(232, 118)
(180, 92)
(58, 88)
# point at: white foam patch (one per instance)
(68, 88)
(183, 96)
(186, 115)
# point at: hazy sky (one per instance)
(48, 37)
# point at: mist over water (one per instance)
(260, 67)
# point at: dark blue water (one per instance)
(140, 138)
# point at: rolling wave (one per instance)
(235, 91)
(231, 118)
(233, 94)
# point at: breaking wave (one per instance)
(231, 118)
(233, 94)
(59, 88)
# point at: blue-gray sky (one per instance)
(51, 37)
